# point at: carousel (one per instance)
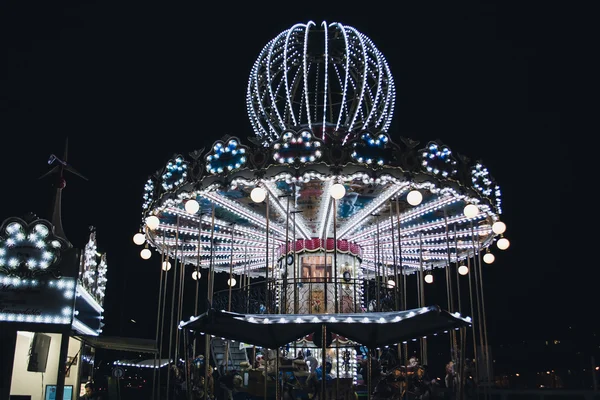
(322, 220)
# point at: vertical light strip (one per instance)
(306, 72)
(269, 86)
(285, 69)
(346, 74)
(324, 25)
(364, 77)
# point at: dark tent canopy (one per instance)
(370, 329)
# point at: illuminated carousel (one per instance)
(322, 211)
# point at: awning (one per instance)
(370, 329)
(137, 345)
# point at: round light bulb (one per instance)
(503, 243)
(498, 227)
(192, 206)
(196, 275)
(463, 270)
(152, 222)
(139, 238)
(258, 195)
(145, 254)
(391, 283)
(337, 191)
(471, 210)
(414, 197)
(488, 258)
(231, 282)
(166, 266)
(429, 278)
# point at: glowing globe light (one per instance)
(463, 270)
(391, 283)
(471, 210)
(196, 275)
(145, 254)
(414, 197)
(503, 243)
(166, 266)
(258, 195)
(337, 191)
(429, 278)
(231, 282)
(152, 222)
(139, 238)
(192, 206)
(488, 258)
(499, 227)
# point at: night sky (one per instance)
(132, 84)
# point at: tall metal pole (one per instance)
(180, 304)
(285, 254)
(335, 266)
(198, 269)
(173, 304)
(162, 319)
(396, 288)
(210, 284)
(230, 284)
(156, 355)
(403, 297)
(267, 297)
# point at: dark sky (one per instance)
(130, 84)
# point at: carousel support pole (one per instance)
(285, 253)
(476, 257)
(421, 294)
(473, 333)
(402, 281)
(277, 380)
(188, 392)
(266, 351)
(335, 266)
(210, 284)
(483, 320)
(156, 355)
(450, 296)
(267, 297)
(162, 317)
(197, 282)
(226, 366)
(173, 304)
(296, 300)
(337, 368)
(180, 304)
(323, 361)
(461, 346)
(377, 265)
(369, 372)
(396, 297)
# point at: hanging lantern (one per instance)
(258, 195)
(192, 206)
(471, 210)
(152, 222)
(503, 243)
(429, 278)
(166, 266)
(463, 270)
(498, 227)
(488, 258)
(145, 254)
(414, 197)
(231, 282)
(196, 275)
(139, 238)
(337, 191)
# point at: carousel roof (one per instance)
(298, 156)
(375, 329)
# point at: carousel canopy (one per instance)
(375, 329)
(402, 203)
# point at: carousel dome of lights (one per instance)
(326, 77)
(320, 100)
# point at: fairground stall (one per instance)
(323, 216)
(51, 298)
